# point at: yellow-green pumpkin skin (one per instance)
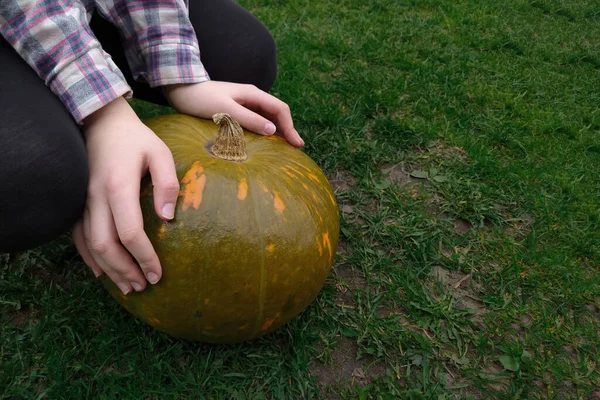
(250, 246)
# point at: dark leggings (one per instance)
(43, 163)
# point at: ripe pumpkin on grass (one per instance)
(255, 232)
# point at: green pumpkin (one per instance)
(255, 232)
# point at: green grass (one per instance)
(476, 277)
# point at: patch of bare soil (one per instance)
(462, 226)
(496, 378)
(399, 175)
(342, 248)
(474, 394)
(389, 310)
(518, 228)
(591, 314)
(341, 180)
(348, 280)
(595, 395)
(56, 278)
(345, 369)
(442, 149)
(464, 290)
(19, 318)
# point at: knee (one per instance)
(45, 187)
(252, 59)
(244, 54)
(263, 60)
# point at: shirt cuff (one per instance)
(173, 63)
(89, 83)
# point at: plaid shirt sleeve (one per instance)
(54, 38)
(159, 40)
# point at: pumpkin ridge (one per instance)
(262, 290)
(202, 273)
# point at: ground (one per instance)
(462, 140)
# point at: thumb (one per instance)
(164, 180)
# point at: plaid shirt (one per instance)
(54, 37)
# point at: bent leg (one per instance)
(234, 45)
(43, 163)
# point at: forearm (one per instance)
(54, 38)
(159, 40)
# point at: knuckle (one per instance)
(113, 186)
(131, 274)
(148, 264)
(129, 236)
(99, 247)
(169, 185)
(161, 150)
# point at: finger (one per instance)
(108, 251)
(164, 181)
(250, 120)
(278, 111)
(84, 252)
(124, 203)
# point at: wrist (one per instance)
(118, 108)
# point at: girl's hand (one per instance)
(254, 109)
(121, 150)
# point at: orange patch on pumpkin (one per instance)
(270, 248)
(162, 230)
(206, 301)
(153, 321)
(319, 246)
(288, 172)
(274, 137)
(295, 170)
(242, 189)
(304, 167)
(313, 177)
(263, 187)
(331, 198)
(327, 243)
(194, 182)
(268, 323)
(192, 174)
(319, 216)
(279, 206)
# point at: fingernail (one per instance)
(124, 288)
(137, 286)
(269, 128)
(168, 211)
(96, 273)
(152, 277)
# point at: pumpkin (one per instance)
(253, 239)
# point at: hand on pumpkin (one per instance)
(251, 107)
(121, 149)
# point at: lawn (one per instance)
(462, 139)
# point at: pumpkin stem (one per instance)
(230, 144)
